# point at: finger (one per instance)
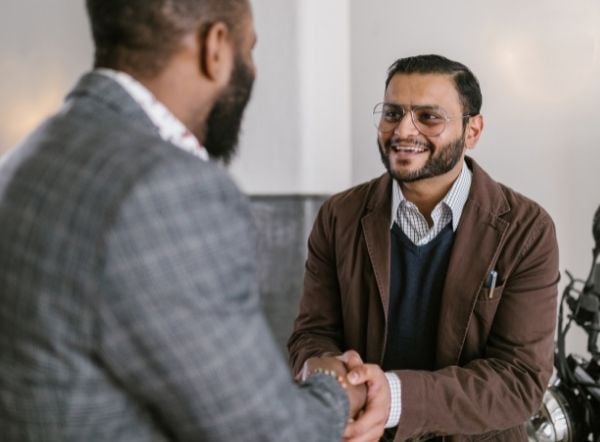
(370, 423)
(363, 373)
(351, 358)
(363, 439)
(371, 434)
(369, 374)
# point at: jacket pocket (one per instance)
(481, 323)
(489, 295)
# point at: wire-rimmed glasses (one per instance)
(428, 120)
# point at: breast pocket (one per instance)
(487, 294)
(487, 304)
(481, 322)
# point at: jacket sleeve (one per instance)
(318, 328)
(180, 326)
(503, 388)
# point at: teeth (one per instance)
(410, 149)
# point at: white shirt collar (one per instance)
(170, 128)
(455, 199)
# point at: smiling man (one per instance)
(442, 276)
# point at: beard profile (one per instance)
(225, 119)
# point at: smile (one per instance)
(409, 149)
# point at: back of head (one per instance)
(141, 35)
(466, 83)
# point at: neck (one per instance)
(427, 193)
(169, 94)
(182, 96)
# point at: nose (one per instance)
(406, 126)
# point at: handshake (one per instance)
(367, 388)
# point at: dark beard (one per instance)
(449, 156)
(225, 119)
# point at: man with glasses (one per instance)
(442, 276)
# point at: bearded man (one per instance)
(442, 276)
(128, 296)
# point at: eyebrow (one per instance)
(418, 106)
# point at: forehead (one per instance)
(423, 89)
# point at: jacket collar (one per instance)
(111, 95)
(376, 229)
(486, 193)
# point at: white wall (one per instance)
(44, 46)
(322, 66)
(297, 128)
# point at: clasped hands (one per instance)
(367, 389)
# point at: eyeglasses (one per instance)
(429, 121)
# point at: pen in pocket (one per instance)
(491, 282)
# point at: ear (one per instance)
(216, 53)
(474, 130)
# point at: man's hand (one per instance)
(369, 426)
(357, 393)
(325, 363)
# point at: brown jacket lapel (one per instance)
(470, 262)
(376, 228)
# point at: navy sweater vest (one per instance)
(417, 277)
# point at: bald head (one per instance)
(141, 35)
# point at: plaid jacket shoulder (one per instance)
(128, 301)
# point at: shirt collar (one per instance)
(170, 128)
(455, 199)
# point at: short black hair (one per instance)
(141, 35)
(465, 81)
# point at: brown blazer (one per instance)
(494, 353)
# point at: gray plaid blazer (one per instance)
(128, 298)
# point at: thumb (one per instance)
(358, 375)
(351, 358)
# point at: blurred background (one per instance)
(321, 68)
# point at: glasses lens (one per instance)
(428, 121)
(386, 117)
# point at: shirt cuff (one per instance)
(395, 399)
